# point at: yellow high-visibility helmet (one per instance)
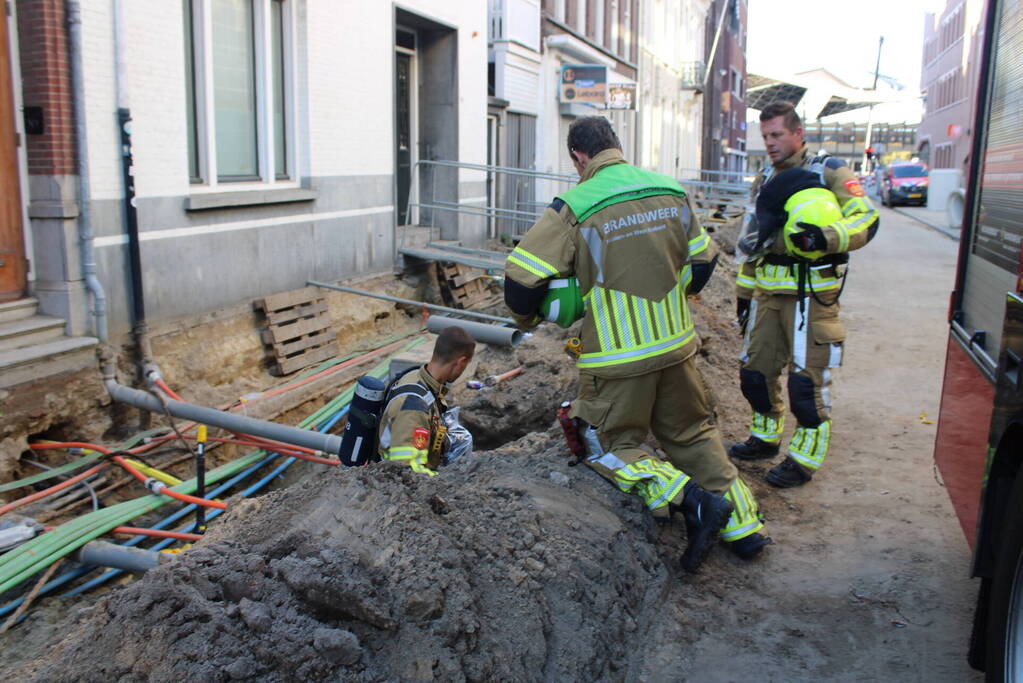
(817, 206)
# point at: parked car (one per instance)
(904, 183)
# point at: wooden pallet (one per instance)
(459, 286)
(299, 331)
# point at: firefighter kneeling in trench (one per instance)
(630, 249)
(413, 428)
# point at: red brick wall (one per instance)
(46, 83)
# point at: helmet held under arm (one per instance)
(796, 195)
(563, 303)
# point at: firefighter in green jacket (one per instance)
(631, 240)
(787, 294)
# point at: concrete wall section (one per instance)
(233, 255)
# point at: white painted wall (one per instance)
(671, 35)
(344, 89)
(101, 101)
(350, 64)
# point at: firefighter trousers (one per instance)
(675, 404)
(807, 340)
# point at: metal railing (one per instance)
(514, 197)
(717, 194)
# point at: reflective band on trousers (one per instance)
(745, 519)
(809, 447)
(655, 482)
(767, 429)
(774, 278)
(416, 457)
(631, 328)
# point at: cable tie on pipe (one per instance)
(154, 485)
(76, 451)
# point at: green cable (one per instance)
(141, 436)
(77, 463)
(38, 553)
(55, 472)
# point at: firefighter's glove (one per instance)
(742, 313)
(809, 238)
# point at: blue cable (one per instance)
(135, 540)
(167, 521)
(106, 576)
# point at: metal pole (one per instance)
(713, 48)
(870, 110)
(410, 302)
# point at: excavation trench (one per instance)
(509, 565)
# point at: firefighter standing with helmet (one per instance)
(810, 212)
(630, 239)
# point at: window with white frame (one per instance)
(238, 66)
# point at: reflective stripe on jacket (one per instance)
(859, 224)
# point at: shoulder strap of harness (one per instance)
(394, 391)
(817, 164)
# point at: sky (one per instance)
(789, 36)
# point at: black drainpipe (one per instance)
(131, 224)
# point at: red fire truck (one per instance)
(979, 444)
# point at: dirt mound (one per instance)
(510, 566)
(526, 403)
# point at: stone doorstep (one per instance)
(29, 363)
(18, 309)
(36, 329)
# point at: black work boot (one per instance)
(749, 547)
(705, 514)
(788, 474)
(753, 449)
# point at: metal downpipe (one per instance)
(85, 234)
(325, 443)
(481, 332)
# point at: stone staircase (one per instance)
(34, 347)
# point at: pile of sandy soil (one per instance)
(510, 565)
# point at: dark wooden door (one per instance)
(13, 266)
(403, 132)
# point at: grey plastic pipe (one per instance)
(481, 332)
(326, 443)
(103, 554)
(85, 234)
(410, 302)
